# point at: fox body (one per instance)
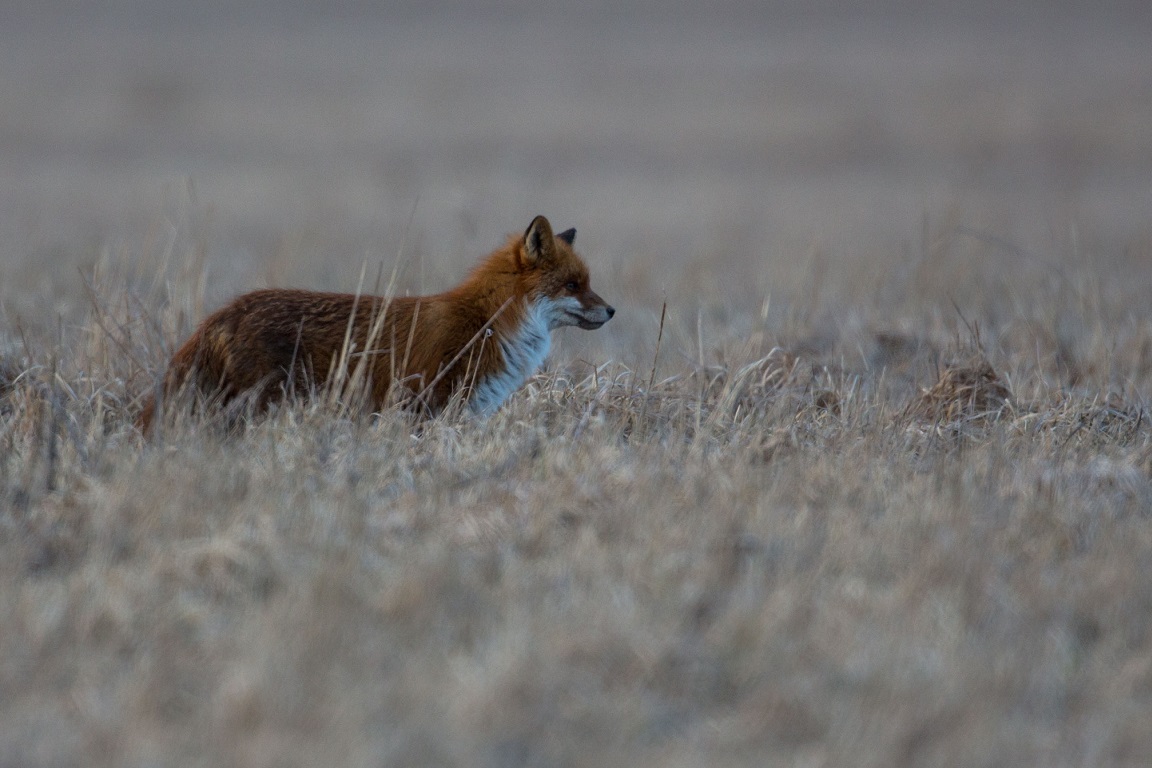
(483, 338)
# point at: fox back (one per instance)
(482, 339)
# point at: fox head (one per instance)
(558, 278)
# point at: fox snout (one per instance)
(593, 313)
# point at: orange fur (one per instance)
(483, 337)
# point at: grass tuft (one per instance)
(966, 391)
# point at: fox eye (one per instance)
(571, 286)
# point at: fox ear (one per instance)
(538, 242)
(568, 236)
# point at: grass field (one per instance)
(876, 492)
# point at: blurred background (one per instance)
(710, 154)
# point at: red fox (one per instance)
(483, 338)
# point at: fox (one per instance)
(482, 339)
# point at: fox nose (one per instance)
(611, 312)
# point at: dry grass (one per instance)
(884, 498)
(861, 534)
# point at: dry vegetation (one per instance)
(880, 496)
(871, 530)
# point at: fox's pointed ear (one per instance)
(539, 244)
(568, 236)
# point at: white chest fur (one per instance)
(524, 352)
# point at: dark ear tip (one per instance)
(536, 222)
(568, 235)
